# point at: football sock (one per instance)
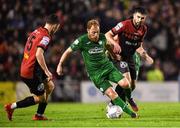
(28, 101)
(13, 106)
(132, 88)
(118, 101)
(121, 93)
(41, 108)
(128, 93)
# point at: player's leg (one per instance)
(133, 84)
(110, 92)
(127, 91)
(132, 102)
(123, 68)
(117, 77)
(28, 101)
(133, 74)
(128, 70)
(40, 111)
(49, 86)
(121, 93)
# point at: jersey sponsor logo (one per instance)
(45, 41)
(76, 42)
(118, 26)
(123, 64)
(130, 43)
(95, 50)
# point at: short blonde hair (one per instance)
(92, 22)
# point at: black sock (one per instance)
(120, 91)
(133, 87)
(28, 101)
(41, 108)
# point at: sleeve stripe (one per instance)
(40, 46)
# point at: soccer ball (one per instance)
(114, 111)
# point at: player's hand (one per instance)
(117, 48)
(59, 70)
(49, 75)
(118, 57)
(143, 54)
(147, 58)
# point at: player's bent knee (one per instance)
(50, 87)
(41, 98)
(38, 99)
(111, 93)
(124, 83)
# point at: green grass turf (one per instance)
(93, 115)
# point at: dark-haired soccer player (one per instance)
(34, 71)
(130, 39)
(100, 70)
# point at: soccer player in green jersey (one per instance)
(99, 68)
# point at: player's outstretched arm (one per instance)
(59, 69)
(110, 38)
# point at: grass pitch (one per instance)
(93, 115)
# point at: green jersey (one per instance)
(93, 53)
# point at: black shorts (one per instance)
(126, 66)
(36, 84)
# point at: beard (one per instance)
(95, 39)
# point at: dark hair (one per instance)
(140, 10)
(52, 19)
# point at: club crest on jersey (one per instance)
(76, 42)
(118, 26)
(123, 64)
(100, 42)
(136, 36)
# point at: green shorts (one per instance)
(101, 78)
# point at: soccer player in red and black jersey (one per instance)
(130, 35)
(34, 71)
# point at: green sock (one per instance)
(128, 93)
(123, 105)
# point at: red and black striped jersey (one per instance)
(38, 38)
(130, 37)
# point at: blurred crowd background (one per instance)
(19, 17)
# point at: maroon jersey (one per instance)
(38, 38)
(130, 37)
